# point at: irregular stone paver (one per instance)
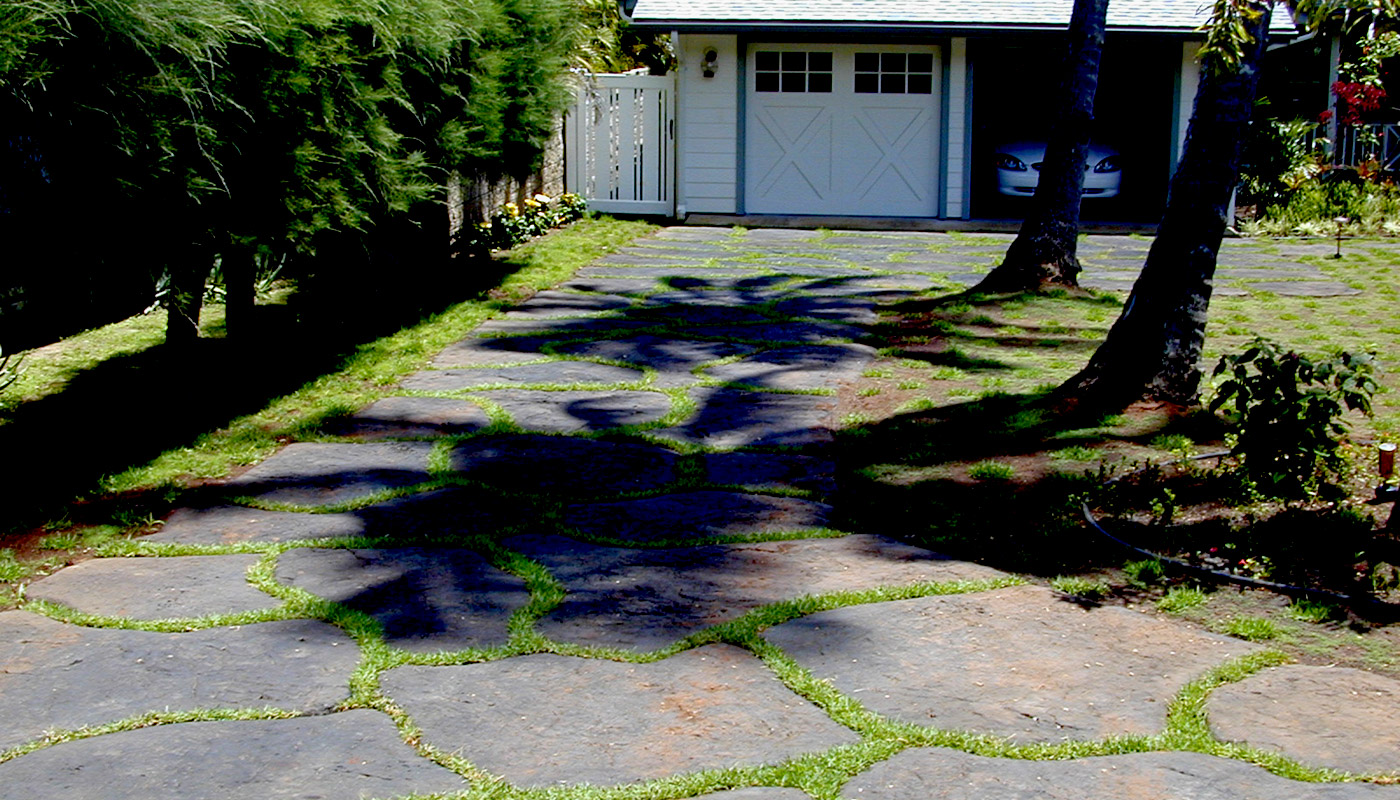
(542, 720)
(952, 775)
(1018, 662)
(1305, 288)
(353, 754)
(567, 304)
(723, 298)
(552, 464)
(842, 309)
(693, 515)
(809, 367)
(643, 266)
(689, 315)
(156, 588)
(559, 328)
(441, 516)
(1322, 716)
(737, 418)
(426, 599)
(552, 372)
(759, 793)
(772, 471)
(59, 676)
(405, 417)
(615, 286)
(672, 358)
(319, 474)
(575, 411)
(492, 350)
(235, 524)
(648, 599)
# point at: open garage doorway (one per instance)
(1014, 92)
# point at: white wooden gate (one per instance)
(620, 140)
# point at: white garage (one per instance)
(842, 129)
(894, 108)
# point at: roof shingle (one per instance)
(1163, 15)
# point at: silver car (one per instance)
(1018, 169)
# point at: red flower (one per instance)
(1354, 99)
(1325, 117)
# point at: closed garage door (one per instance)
(842, 130)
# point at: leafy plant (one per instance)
(991, 471)
(1253, 629)
(1144, 573)
(1181, 598)
(1305, 610)
(1080, 587)
(1288, 411)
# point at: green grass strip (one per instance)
(146, 720)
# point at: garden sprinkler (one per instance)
(1340, 222)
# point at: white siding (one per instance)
(1186, 99)
(707, 128)
(955, 191)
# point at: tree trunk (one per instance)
(1044, 253)
(1154, 349)
(238, 268)
(189, 269)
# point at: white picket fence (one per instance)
(620, 144)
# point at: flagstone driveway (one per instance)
(594, 544)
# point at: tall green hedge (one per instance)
(141, 137)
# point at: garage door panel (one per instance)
(800, 143)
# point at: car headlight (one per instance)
(1011, 163)
(1109, 164)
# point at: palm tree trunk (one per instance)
(1154, 349)
(1044, 254)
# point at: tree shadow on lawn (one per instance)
(133, 407)
(908, 477)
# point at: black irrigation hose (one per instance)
(1377, 607)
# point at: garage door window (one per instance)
(894, 73)
(792, 71)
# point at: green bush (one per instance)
(1288, 411)
(1312, 208)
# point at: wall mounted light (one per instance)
(709, 62)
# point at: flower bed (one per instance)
(516, 223)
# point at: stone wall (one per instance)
(472, 200)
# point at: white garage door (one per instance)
(842, 130)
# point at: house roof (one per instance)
(1165, 16)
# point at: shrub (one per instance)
(1288, 412)
(1312, 207)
